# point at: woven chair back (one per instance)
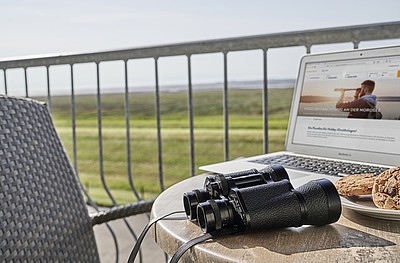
(43, 216)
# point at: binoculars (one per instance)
(257, 199)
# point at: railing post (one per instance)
(265, 102)
(190, 113)
(73, 112)
(100, 135)
(158, 116)
(308, 49)
(48, 87)
(128, 134)
(26, 83)
(226, 109)
(5, 81)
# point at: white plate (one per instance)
(365, 206)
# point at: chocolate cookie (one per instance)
(356, 184)
(386, 189)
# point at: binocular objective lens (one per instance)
(322, 202)
(206, 218)
(192, 199)
(214, 215)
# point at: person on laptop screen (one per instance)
(364, 101)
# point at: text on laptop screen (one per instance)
(351, 104)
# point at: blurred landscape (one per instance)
(245, 122)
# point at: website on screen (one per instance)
(351, 105)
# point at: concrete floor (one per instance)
(150, 250)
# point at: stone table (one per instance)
(354, 238)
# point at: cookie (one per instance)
(356, 184)
(386, 189)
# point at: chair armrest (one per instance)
(122, 212)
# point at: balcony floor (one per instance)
(150, 250)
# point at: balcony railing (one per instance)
(264, 43)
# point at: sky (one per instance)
(48, 26)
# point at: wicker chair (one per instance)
(43, 215)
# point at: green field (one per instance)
(245, 135)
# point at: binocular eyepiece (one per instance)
(219, 185)
(271, 204)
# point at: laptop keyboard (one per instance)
(322, 166)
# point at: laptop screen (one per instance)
(350, 105)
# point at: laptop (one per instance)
(329, 134)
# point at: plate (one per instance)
(365, 206)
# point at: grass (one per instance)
(245, 135)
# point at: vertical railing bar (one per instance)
(225, 108)
(190, 110)
(26, 83)
(128, 134)
(308, 49)
(73, 112)
(74, 145)
(74, 140)
(158, 117)
(100, 136)
(115, 242)
(48, 87)
(96, 207)
(5, 82)
(265, 102)
(356, 44)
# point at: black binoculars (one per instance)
(219, 185)
(257, 199)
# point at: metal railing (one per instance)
(307, 39)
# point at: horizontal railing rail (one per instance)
(307, 38)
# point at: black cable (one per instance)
(182, 249)
(139, 241)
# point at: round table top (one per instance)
(354, 238)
